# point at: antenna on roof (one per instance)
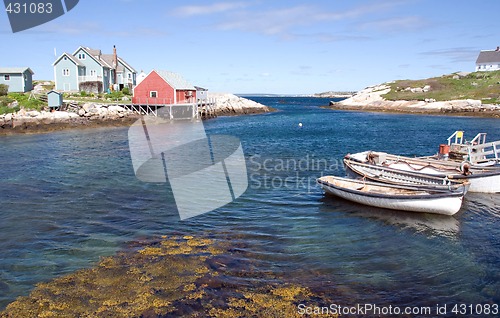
(55, 53)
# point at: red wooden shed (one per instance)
(163, 88)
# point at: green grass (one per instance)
(484, 86)
(7, 110)
(23, 101)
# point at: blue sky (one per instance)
(256, 46)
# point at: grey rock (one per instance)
(88, 106)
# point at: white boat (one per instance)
(482, 179)
(384, 174)
(395, 197)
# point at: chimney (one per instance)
(115, 62)
(115, 57)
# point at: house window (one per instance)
(129, 76)
(92, 72)
(81, 56)
(105, 73)
(153, 94)
(66, 72)
(6, 77)
(65, 58)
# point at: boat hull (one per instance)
(395, 176)
(438, 204)
(482, 180)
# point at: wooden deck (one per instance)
(202, 109)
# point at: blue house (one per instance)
(89, 70)
(19, 79)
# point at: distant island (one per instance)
(333, 94)
(460, 93)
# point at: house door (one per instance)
(66, 87)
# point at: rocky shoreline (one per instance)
(370, 99)
(91, 115)
(232, 105)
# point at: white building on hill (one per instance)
(488, 60)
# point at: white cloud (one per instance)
(285, 21)
(219, 7)
(397, 24)
(457, 54)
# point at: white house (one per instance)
(488, 60)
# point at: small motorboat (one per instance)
(395, 197)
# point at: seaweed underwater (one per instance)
(175, 276)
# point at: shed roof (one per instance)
(15, 70)
(488, 57)
(175, 80)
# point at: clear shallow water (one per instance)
(69, 197)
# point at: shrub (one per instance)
(114, 95)
(126, 91)
(4, 89)
(5, 101)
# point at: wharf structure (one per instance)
(169, 94)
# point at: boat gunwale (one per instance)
(475, 172)
(454, 182)
(432, 193)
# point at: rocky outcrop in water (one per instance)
(229, 104)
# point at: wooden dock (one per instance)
(477, 150)
(203, 109)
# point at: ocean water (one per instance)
(68, 198)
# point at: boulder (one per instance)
(116, 108)
(88, 106)
(33, 113)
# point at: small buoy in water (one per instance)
(300, 124)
